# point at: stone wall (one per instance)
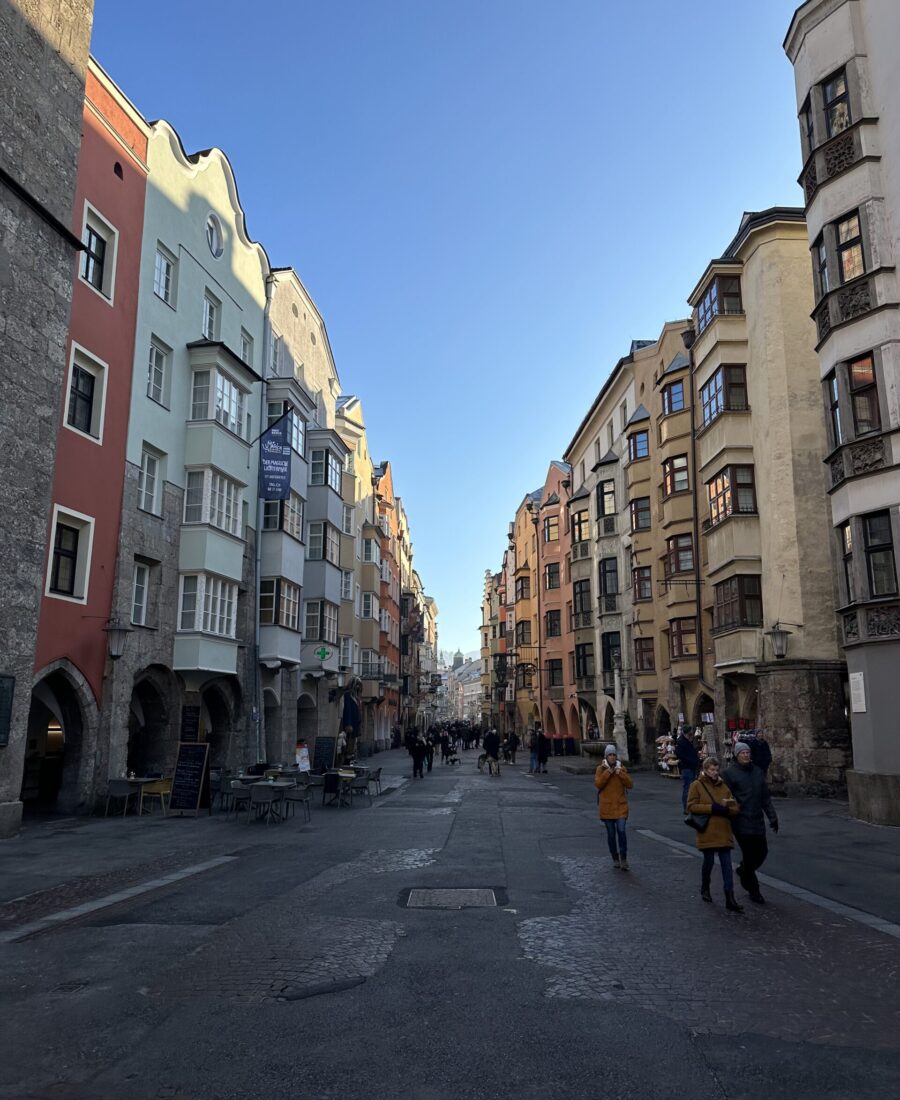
(43, 55)
(802, 710)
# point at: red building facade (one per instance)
(83, 526)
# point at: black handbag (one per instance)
(699, 822)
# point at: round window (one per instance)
(214, 236)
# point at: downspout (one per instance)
(257, 565)
(689, 336)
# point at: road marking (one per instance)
(870, 920)
(64, 915)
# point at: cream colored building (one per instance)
(764, 524)
(844, 54)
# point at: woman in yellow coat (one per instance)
(613, 783)
(710, 795)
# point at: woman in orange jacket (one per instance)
(710, 795)
(613, 782)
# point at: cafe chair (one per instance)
(360, 785)
(299, 794)
(161, 789)
(262, 801)
(331, 788)
(239, 798)
(375, 778)
(121, 789)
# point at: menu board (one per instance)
(323, 756)
(190, 787)
(190, 723)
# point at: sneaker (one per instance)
(624, 865)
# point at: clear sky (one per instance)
(488, 200)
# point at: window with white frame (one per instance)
(334, 473)
(297, 432)
(158, 371)
(293, 516)
(372, 551)
(164, 266)
(346, 652)
(312, 620)
(288, 605)
(139, 591)
(268, 589)
(347, 525)
(332, 545)
(87, 394)
(329, 623)
(200, 392)
(246, 347)
(212, 309)
(369, 605)
(69, 564)
(207, 604)
(98, 260)
(271, 515)
(275, 360)
(346, 585)
(150, 481)
(210, 497)
(229, 409)
(350, 463)
(315, 547)
(317, 467)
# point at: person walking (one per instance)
(689, 763)
(760, 752)
(543, 751)
(613, 784)
(747, 783)
(491, 744)
(533, 766)
(513, 746)
(710, 795)
(429, 751)
(417, 752)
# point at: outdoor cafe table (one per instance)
(346, 775)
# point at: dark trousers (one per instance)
(709, 858)
(688, 775)
(417, 768)
(616, 838)
(754, 849)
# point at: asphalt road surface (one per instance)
(211, 960)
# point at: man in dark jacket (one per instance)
(543, 751)
(760, 753)
(748, 785)
(492, 751)
(689, 762)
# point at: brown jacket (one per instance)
(613, 802)
(700, 798)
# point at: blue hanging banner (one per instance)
(275, 460)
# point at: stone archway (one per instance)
(272, 720)
(703, 705)
(307, 718)
(62, 730)
(220, 703)
(663, 722)
(575, 728)
(609, 722)
(549, 723)
(153, 730)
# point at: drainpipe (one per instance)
(689, 336)
(257, 565)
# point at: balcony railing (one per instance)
(609, 604)
(581, 550)
(585, 683)
(581, 620)
(556, 693)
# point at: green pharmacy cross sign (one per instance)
(323, 653)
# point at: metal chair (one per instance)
(240, 798)
(360, 785)
(121, 789)
(299, 794)
(161, 789)
(262, 800)
(375, 777)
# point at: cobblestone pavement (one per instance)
(288, 962)
(641, 938)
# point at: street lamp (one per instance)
(779, 639)
(116, 636)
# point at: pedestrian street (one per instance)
(465, 936)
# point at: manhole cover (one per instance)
(451, 899)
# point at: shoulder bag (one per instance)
(699, 822)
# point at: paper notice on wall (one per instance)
(858, 692)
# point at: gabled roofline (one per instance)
(301, 286)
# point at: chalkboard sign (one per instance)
(7, 685)
(324, 753)
(190, 723)
(190, 787)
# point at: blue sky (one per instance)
(487, 200)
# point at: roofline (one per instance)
(292, 271)
(751, 222)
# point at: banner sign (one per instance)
(275, 460)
